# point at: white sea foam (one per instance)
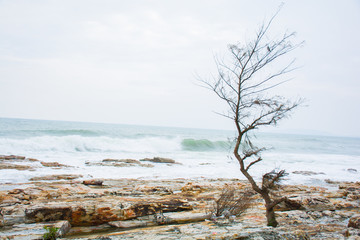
(203, 153)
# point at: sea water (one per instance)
(201, 152)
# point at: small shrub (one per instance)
(231, 203)
(51, 233)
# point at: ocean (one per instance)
(202, 153)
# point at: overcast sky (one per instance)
(137, 62)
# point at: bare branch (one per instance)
(244, 85)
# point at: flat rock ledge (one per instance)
(172, 209)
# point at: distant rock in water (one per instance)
(56, 177)
(160, 160)
(53, 164)
(119, 163)
(308, 173)
(352, 170)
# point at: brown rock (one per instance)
(94, 182)
(354, 222)
(13, 157)
(16, 191)
(53, 164)
(15, 166)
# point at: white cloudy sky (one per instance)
(136, 62)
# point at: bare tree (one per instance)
(244, 85)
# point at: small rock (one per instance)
(352, 170)
(63, 228)
(94, 182)
(53, 164)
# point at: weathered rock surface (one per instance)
(143, 209)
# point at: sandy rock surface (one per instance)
(167, 209)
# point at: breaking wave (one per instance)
(205, 145)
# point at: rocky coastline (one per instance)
(166, 209)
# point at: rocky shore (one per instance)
(167, 209)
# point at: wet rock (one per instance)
(354, 222)
(56, 177)
(94, 182)
(159, 160)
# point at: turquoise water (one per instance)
(203, 153)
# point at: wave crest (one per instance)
(204, 145)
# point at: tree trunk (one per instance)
(270, 216)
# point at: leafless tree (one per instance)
(244, 85)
